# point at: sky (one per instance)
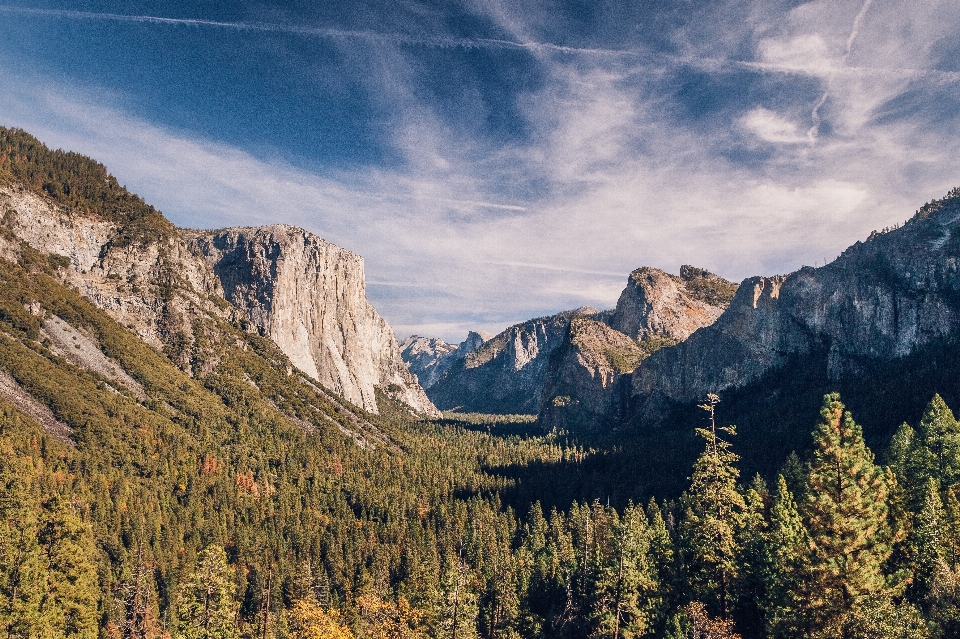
(495, 161)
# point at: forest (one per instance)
(236, 501)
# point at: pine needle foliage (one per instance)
(847, 518)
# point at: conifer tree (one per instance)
(627, 580)
(713, 517)
(69, 604)
(749, 585)
(787, 570)
(662, 558)
(847, 517)
(22, 572)
(939, 436)
(928, 542)
(207, 606)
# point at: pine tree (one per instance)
(787, 570)
(749, 585)
(207, 605)
(938, 453)
(847, 517)
(70, 601)
(22, 571)
(928, 542)
(626, 580)
(713, 517)
(662, 558)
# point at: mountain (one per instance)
(172, 286)
(587, 386)
(506, 373)
(879, 324)
(429, 357)
(658, 304)
(309, 297)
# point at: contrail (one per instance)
(854, 32)
(373, 36)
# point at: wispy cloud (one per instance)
(616, 169)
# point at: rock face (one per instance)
(309, 297)
(881, 302)
(588, 383)
(506, 374)
(656, 303)
(429, 357)
(588, 376)
(306, 294)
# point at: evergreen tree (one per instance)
(662, 558)
(69, 604)
(713, 518)
(787, 570)
(937, 446)
(22, 571)
(752, 560)
(627, 580)
(928, 542)
(207, 606)
(847, 517)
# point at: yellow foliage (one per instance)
(311, 621)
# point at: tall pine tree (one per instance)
(713, 517)
(847, 517)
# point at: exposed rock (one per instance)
(506, 374)
(309, 297)
(588, 382)
(11, 391)
(426, 357)
(588, 376)
(881, 301)
(162, 287)
(76, 347)
(664, 305)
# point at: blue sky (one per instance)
(497, 161)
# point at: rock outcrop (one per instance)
(656, 303)
(881, 300)
(306, 294)
(588, 383)
(429, 357)
(309, 297)
(506, 374)
(588, 376)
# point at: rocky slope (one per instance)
(588, 381)
(881, 300)
(429, 357)
(880, 325)
(656, 303)
(506, 374)
(309, 297)
(173, 287)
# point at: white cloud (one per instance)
(771, 127)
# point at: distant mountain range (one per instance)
(880, 324)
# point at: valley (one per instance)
(213, 433)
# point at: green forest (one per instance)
(246, 502)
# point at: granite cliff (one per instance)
(173, 287)
(879, 325)
(309, 297)
(881, 300)
(588, 381)
(430, 357)
(507, 372)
